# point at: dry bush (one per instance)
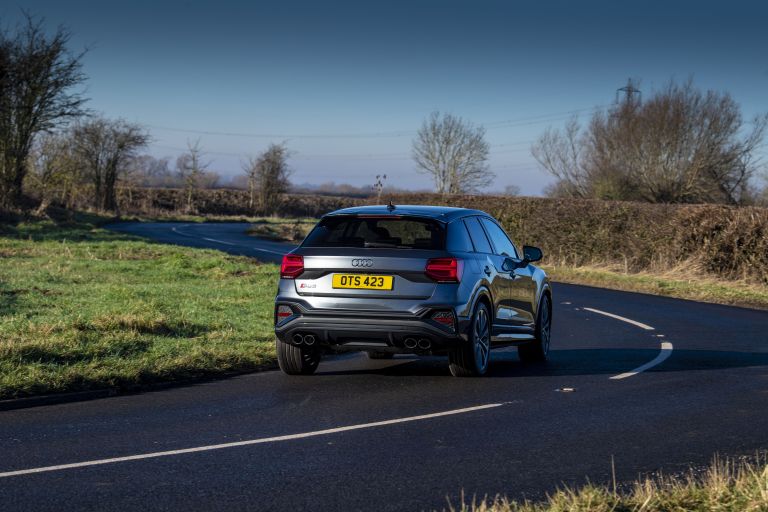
(723, 241)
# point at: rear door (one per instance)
(521, 288)
(491, 266)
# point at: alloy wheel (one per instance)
(482, 338)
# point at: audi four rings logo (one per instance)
(362, 263)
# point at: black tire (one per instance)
(472, 360)
(295, 360)
(380, 355)
(538, 351)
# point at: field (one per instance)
(84, 308)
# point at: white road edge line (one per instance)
(263, 440)
(666, 351)
(666, 347)
(221, 241)
(180, 233)
(218, 241)
(266, 250)
(623, 319)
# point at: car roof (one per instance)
(441, 213)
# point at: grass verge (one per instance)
(283, 230)
(674, 283)
(84, 308)
(725, 486)
(197, 219)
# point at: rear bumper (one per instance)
(375, 332)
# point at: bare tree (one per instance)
(251, 170)
(512, 190)
(680, 146)
(209, 180)
(561, 154)
(37, 78)
(272, 174)
(105, 149)
(453, 152)
(191, 168)
(148, 171)
(53, 169)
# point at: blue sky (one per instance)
(346, 84)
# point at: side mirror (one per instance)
(532, 254)
(509, 265)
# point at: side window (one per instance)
(458, 238)
(500, 239)
(476, 233)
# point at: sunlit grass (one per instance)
(672, 283)
(725, 486)
(84, 308)
(282, 229)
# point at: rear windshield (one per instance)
(386, 232)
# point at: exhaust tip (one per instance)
(424, 344)
(410, 343)
(309, 339)
(298, 338)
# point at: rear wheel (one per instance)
(472, 360)
(295, 360)
(537, 351)
(380, 355)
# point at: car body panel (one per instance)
(349, 319)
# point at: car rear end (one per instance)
(375, 282)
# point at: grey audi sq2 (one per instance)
(422, 280)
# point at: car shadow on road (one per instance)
(506, 364)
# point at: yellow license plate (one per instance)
(362, 281)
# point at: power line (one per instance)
(508, 123)
(354, 156)
(284, 136)
(542, 118)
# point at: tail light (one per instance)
(292, 266)
(445, 270)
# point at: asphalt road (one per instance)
(416, 437)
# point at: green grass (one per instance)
(192, 218)
(725, 487)
(84, 308)
(674, 283)
(281, 229)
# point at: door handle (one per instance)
(487, 270)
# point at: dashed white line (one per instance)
(623, 319)
(666, 351)
(263, 440)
